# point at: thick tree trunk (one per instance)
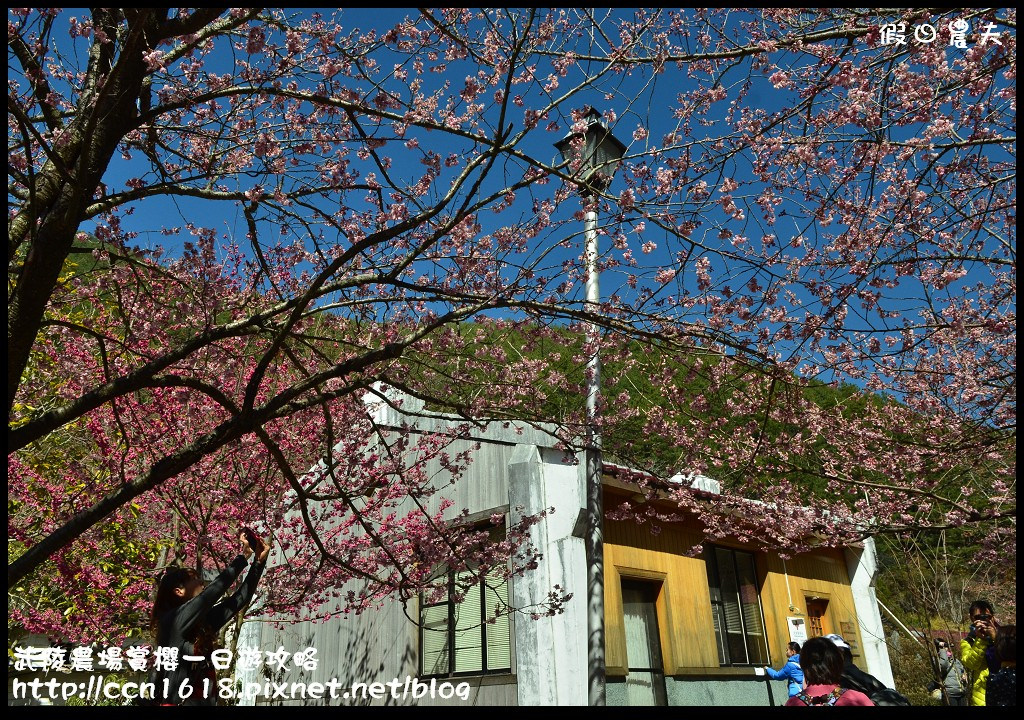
(52, 216)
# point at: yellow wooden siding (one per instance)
(821, 573)
(684, 607)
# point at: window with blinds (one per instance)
(736, 607)
(469, 637)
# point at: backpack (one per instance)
(856, 679)
(821, 700)
(888, 696)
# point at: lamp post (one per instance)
(599, 157)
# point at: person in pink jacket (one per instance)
(822, 664)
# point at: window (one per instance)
(645, 679)
(456, 637)
(736, 607)
(816, 609)
(471, 635)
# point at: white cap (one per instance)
(838, 640)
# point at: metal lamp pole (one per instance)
(594, 540)
(601, 155)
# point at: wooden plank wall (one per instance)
(822, 573)
(684, 607)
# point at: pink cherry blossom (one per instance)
(226, 226)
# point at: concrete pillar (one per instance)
(551, 652)
(862, 564)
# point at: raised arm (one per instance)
(223, 611)
(196, 609)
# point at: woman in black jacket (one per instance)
(187, 616)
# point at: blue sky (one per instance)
(639, 100)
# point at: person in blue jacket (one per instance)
(790, 671)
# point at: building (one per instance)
(679, 630)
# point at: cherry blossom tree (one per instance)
(333, 523)
(292, 206)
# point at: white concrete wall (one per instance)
(551, 652)
(863, 566)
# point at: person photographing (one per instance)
(186, 617)
(976, 651)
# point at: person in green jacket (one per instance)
(975, 649)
